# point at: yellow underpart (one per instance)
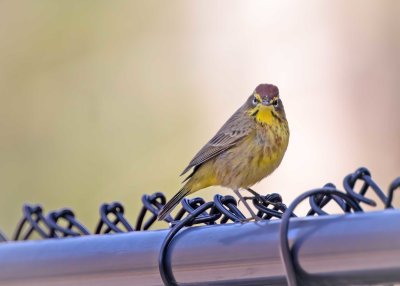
(246, 163)
(265, 116)
(203, 178)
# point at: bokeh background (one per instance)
(105, 101)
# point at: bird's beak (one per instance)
(266, 102)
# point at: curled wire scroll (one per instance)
(221, 210)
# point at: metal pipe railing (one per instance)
(347, 249)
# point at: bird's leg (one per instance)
(252, 213)
(256, 195)
(262, 198)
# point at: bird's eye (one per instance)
(275, 103)
(255, 101)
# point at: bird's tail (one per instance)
(166, 210)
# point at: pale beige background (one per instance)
(108, 100)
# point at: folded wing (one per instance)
(234, 130)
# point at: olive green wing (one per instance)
(234, 130)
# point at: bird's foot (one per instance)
(256, 218)
(261, 198)
(252, 213)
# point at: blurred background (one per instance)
(106, 101)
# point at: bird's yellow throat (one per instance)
(264, 115)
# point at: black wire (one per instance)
(194, 211)
(286, 255)
(393, 186)
(165, 266)
(3, 237)
(117, 210)
(74, 228)
(152, 204)
(227, 206)
(32, 217)
(364, 175)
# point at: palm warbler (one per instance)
(247, 148)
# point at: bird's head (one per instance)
(265, 105)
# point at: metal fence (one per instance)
(357, 248)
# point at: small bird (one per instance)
(247, 148)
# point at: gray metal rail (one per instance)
(353, 249)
